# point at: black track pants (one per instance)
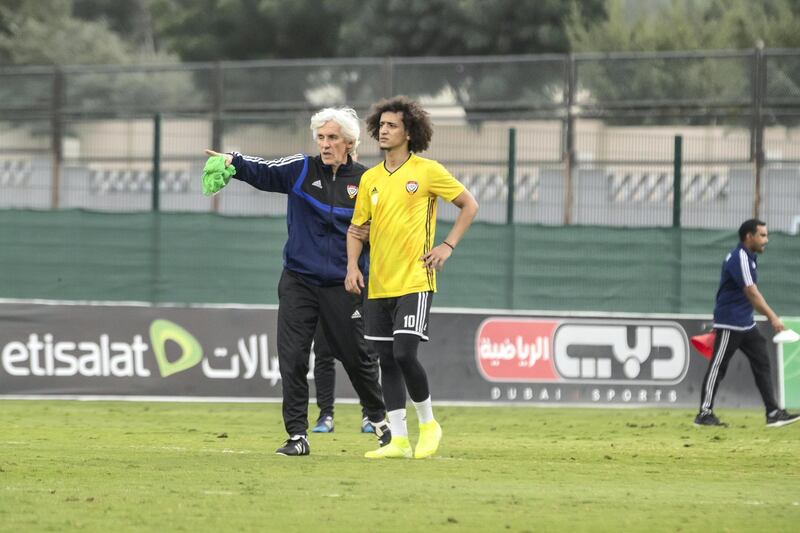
(302, 305)
(325, 373)
(754, 346)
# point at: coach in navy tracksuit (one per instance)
(321, 195)
(736, 329)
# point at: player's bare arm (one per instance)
(359, 232)
(354, 281)
(760, 305)
(468, 208)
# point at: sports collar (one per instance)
(750, 254)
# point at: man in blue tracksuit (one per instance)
(736, 329)
(321, 194)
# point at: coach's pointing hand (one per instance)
(228, 157)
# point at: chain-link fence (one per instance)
(585, 139)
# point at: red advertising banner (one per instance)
(516, 349)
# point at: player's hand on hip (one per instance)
(228, 157)
(436, 258)
(354, 281)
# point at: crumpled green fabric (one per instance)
(216, 175)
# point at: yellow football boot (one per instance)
(398, 448)
(430, 435)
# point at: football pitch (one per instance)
(125, 466)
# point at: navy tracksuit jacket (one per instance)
(320, 206)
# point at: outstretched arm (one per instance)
(277, 175)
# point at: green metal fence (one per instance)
(194, 258)
(576, 172)
(588, 149)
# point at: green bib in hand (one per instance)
(216, 175)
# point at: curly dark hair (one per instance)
(416, 121)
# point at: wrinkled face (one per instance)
(756, 242)
(392, 133)
(332, 145)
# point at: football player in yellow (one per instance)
(398, 199)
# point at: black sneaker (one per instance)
(296, 445)
(383, 432)
(708, 419)
(781, 418)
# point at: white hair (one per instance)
(345, 117)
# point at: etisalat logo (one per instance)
(582, 351)
(44, 355)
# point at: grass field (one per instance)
(120, 466)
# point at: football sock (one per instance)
(424, 410)
(397, 423)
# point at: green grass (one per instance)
(119, 466)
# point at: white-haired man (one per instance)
(321, 194)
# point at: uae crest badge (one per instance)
(411, 187)
(352, 190)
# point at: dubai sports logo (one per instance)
(352, 190)
(411, 187)
(581, 351)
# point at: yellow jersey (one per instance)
(401, 207)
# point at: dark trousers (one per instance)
(325, 373)
(301, 306)
(754, 346)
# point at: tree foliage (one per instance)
(413, 28)
(91, 31)
(159, 31)
(45, 32)
(203, 30)
(465, 27)
(684, 25)
(132, 19)
(688, 25)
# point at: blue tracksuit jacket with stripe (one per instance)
(320, 206)
(733, 310)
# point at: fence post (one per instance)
(677, 189)
(512, 174)
(156, 196)
(218, 96)
(757, 135)
(677, 235)
(57, 133)
(511, 233)
(568, 154)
